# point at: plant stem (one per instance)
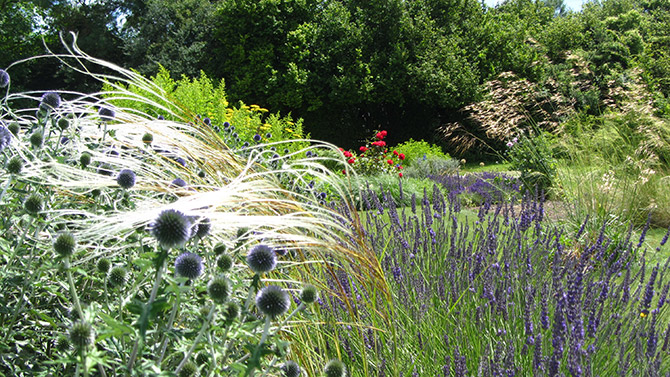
(205, 325)
(152, 297)
(266, 330)
(73, 291)
(4, 189)
(164, 342)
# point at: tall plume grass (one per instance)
(255, 194)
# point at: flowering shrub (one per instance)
(415, 151)
(375, 157)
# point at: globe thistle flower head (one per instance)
(204, 227)
(207, 121)
(219, 248)
(188, 265)
(257, 138)
(226, 125)
(335, 368)
(103, 265)
(261, 258)
(33, 204)
(308, 294)
(65, 244)
(189, 370)
(63, 123)
(85, 159)
(218, 289)
(147, 138)
(268, 135)
(171, 228)
(106, 114)
(178, 182)
(273, 301)
(231, 310)
(126, 179)
(15, 165)
(14, 128)
(290, 369)
(36, 139)
(224, 262)
(63, 343)
(50, 101)
(160, 117)
(4, 78)
(82, 335)
(180, 161)
(117, 276)
(5, 137)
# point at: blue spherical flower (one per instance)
(126, 178)
(257, 138)
(226, 125)
(203, 228)
(171, 228)
(160, 117)
(335, 368)
(273, 301)
(262, 258)
(50, 100)
(5, 137)
(207, 121)
(268, 135)
(106, 114)
(4, 78)
(290, 369)
(180, 161)
(178, 182)
(188, 265)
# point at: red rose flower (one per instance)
(395, 153)
(347, 154)
(379, 135)
(390, 162)
(400, 174)
(351, 160)
(401, 156)
(363, 149)
(384, 133)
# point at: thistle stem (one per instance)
(152, 297)
(4, 189)
(173, 314)
(73, 291)
(264, 337)
(205, 325)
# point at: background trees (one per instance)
(351, 66)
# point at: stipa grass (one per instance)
(500, 293)
(147, 317)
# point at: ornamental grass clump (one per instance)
(157, 272)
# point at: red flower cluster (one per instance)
(375, 157)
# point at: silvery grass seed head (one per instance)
(290, 369)
(308, 294)
(261, 258)
(33, 204)
(117, 276)
(126, 179)
(172, 228)
(273, 301)
(189, 370)
(224, 262)
(5, 137)
(335, 368)
(65, 244)
(81, 335)
(4, 78)
(103, 265)
(15, 165)
(188, 265)
(50, 101)
(36, 139)
(85, 159)
(218, 289)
